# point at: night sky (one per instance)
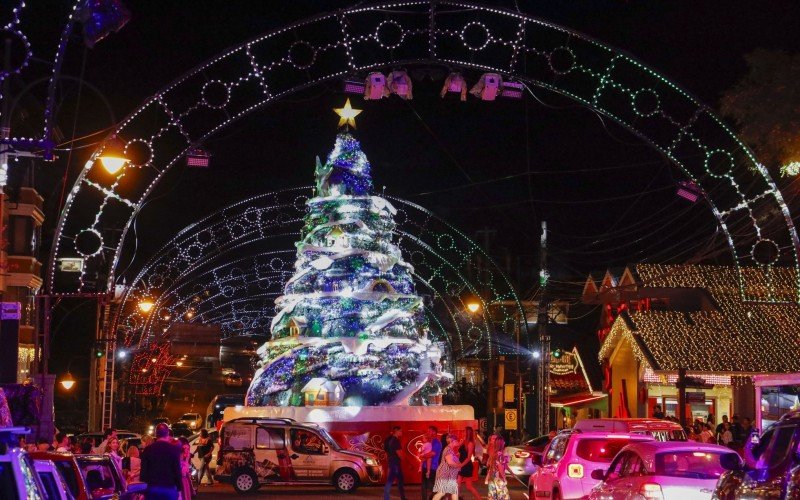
(608, 198)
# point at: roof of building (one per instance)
(733, 337)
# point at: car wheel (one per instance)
(245, 481)
(345, 480)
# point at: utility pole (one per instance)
(543, 399)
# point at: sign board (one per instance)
(70, 265)
(508, 393)
(10, 310)
(510, 420)
(194, 339)
(564, 365)
(695, 397)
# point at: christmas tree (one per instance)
(349, 324)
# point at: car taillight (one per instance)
(575, 471)
(521, 454)
(652, 491)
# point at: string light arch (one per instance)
(227, 269)
(749, 208)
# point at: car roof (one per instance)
(612, 435)
(649, 449)
(55, 456)
(94, 458)
(629, 423)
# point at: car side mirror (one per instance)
(731, 461)
(136, 488)
(598, 474)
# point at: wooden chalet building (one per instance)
(659, 319)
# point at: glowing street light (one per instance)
(68, 382)
(473, 307)
(146, 306)
(113, 158)
(179, 363)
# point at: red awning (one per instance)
(574, 399)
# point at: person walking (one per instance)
(133, 464)
(186, 469)
(466, 475)
(429, 475)
(62, 442)
(205, 448)
(447, 474)
(161, 467)
(394, 456)
(112, 448)
(496, 475)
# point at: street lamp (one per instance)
(113, 158)
(68, 381)
(146, 306)
(473, 307)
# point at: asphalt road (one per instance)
(323, 493)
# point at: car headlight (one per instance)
(194, 424)
(371, 461)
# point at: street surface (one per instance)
(325, 493)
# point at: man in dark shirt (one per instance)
(394, 454)
(161, 467)
(434, 455)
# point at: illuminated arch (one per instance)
(749, 208)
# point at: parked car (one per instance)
(198, 461)
(571, 457)
(217, 407)
(660, 430)
(70, 472)
(777, 464)
(261, 451)
(233, 380)
(18, 478)
(122, 435)
(52, 481)
(181, 429)
(193, 420)
(151, 429)
(668, 470)
(524, 458)
(104, 480)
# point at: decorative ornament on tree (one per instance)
(350, 313)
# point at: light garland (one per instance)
(736, 338)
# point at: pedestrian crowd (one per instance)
(450, 464)
(731, 432)
(164, 463)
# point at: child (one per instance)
(424, 450)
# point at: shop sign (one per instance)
(510, 420)
(564, 365)
(695, 397)
(10, 310)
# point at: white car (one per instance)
(193, 420)
(664, 470)
(52, 480)
(525, 457)
(198, 461)
(18, 478)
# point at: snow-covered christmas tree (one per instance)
(349, 319)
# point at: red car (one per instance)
(70, 471)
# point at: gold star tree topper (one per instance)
(347, 115)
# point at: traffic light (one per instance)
(557, 353)
(98, 351)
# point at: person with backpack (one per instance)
(394, 456)
(205, 447)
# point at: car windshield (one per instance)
(68, 475)
(7, 483)
(189, 416)
(538, 441)
(690, 464)
(99, 477)
(600, 449)
(331, 442)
